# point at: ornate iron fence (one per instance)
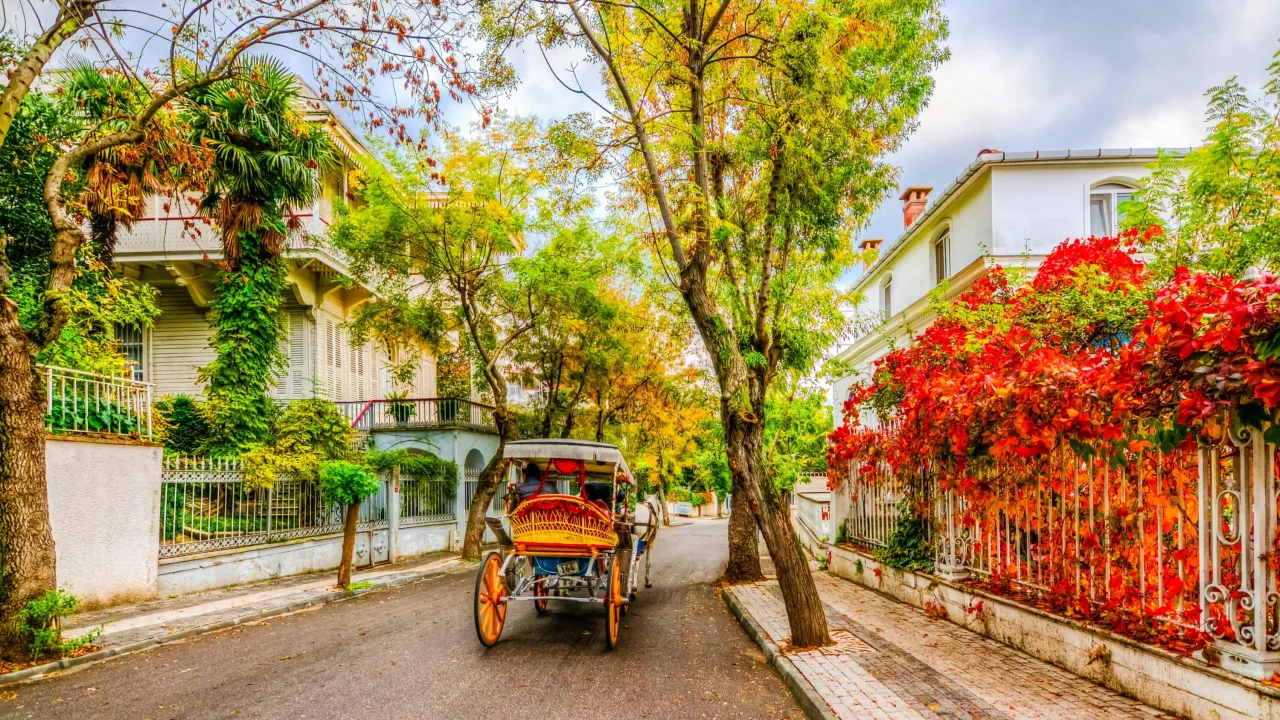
(83, 402)
(1182, 539)
(426, 502)
(205, 506)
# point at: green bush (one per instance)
(345, 482)
(41, 620)
(90, 414)
(697, 499)
(182, 424)
(907, 547)
(678, 494)
(315, 426)
(421, 466)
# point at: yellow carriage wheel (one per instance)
(541, 593)
(613, 603)
(491, 600)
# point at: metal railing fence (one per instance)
(425, 502)
(205, 506)
(83, 402)
(417, 413)
(1179, 538)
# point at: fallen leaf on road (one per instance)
(284, 657)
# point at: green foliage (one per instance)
(181, 422)
(842, 532)
(88, 413)
(264, 155)
(41, 622)
(676, 493)
(308, 433)
(398, 409)
(98, 299)
(313, 425)
(1220, 204)
(247, 327)
(420, 466)
(345, 482)
(697, 499)
(907, 547)
(797, 421)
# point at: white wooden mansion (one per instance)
(182, 265)
(1007, 209)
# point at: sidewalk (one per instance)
(127, 628)
(893, 661)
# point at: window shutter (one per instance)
(297, 355)
(331, 366)
(281, 385)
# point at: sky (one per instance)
(1040, 75)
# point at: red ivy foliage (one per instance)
(1086, 359)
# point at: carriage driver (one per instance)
(531, 482)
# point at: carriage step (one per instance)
(495, 526)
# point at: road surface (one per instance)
(412, 652)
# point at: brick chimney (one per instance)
(914, 200)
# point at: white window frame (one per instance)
(886, 298)
(1112, 188)
(943, 239)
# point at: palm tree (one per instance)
(265, 157)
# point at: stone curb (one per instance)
(813, 704)
(79, 663)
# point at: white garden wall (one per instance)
(104, 507)
(238, 566)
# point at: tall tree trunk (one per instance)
(348, 544)
(805, 612)
(744, 542)
(486, 486)
(662, 501)
(27, 561)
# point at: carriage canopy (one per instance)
(599, 458)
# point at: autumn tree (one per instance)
(188, 46)
(753, 134)
(443, 235)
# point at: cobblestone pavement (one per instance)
(893, 661)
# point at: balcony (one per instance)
(418, 414)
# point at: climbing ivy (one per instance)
(247, 328)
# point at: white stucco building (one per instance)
(1007, 209)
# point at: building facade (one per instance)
(173, 249)
(1006, 209)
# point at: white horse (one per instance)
(645, 526)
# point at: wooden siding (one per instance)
(179, 344)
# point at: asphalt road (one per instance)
(412, 652)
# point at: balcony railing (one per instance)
(417, 413)
(83, 402)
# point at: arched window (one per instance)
(1104, 203)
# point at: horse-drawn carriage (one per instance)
(574, 537)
